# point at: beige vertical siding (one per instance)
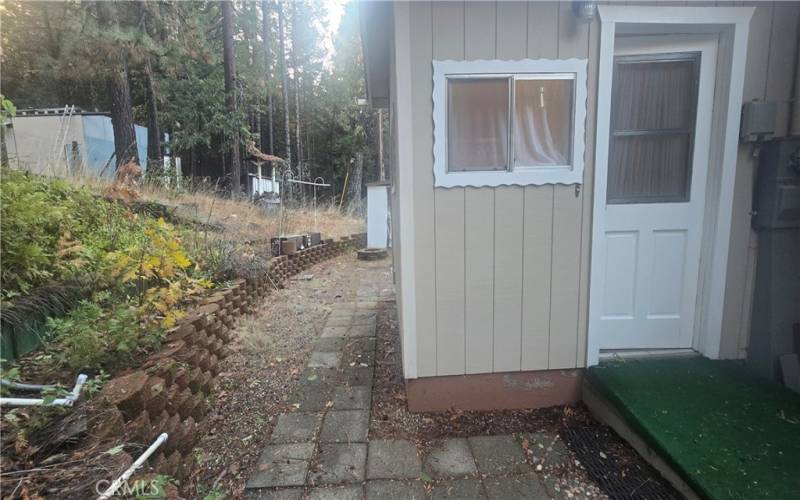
(424, 223)
(480, 21)
(394, 192)
(448, 43)
(502, 273)
(512, 42)
(498, 275)
(573, 41)
(538, 223)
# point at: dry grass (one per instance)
(253, 221)
(240, 218)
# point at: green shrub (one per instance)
(140, 273)
(51, 230)
(89, 339)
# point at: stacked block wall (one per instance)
(170, 392)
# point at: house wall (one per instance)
(500, 275)
(32, 140)
(772, 56)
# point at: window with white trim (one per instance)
(508, 122)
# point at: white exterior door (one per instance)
(649, 238)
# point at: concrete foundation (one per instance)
(495, 391)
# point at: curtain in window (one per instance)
(542, 121)
(652, 120)
(654, 95)
(477, 124)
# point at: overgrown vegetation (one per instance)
(137, 273)
(105, 281)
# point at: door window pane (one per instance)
(654, 102)
(648, 169)
(654, 95)
(477, 124)
(542, 122)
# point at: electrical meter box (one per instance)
(776, 203)
(776, 299)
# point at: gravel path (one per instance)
(271, 348)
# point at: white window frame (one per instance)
(519, 69)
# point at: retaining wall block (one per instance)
(172, 465)
(180, 332)
(126, 393)
(139, 429)
(208, 363)
(183, 377)
(189, 436)
(173, 428)
(200, 407)
(155, 395)
(224, 352)
(107, 427)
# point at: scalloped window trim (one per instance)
(519, 176)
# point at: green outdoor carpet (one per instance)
(728, 433)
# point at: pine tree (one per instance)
(285, 90)
(118, 88)
(266, 33)
(235, 167)
(154, 157)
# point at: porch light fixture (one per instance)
(584, 10)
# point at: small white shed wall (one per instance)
(377, 216)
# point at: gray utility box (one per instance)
(776, 206)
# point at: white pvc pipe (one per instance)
(66, 401)
(138, 463)
(21, 386)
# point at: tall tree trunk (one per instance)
(265, 35)
(119, 89)
(296, 82)
(193, 161)
(285, 90)
(355, 184)
(122, 115)
(154, 156)
(257, 129)
(230, 92)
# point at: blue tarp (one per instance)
(98, 137)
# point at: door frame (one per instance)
(731, 24)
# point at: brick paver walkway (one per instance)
(322, 450)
